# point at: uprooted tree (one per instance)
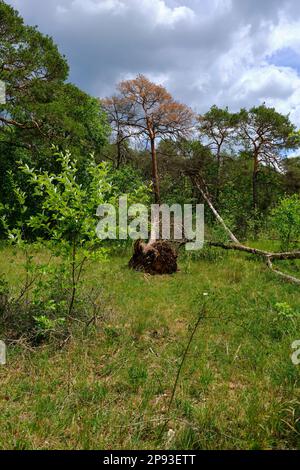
(160, 257)
(155, 257)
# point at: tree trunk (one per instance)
(118, 156)
(214, 211)
(156, 256)
(254, 183)
(218, 177)
(155, 177)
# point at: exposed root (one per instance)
(158, 257)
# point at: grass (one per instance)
(109, 387)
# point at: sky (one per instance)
(235, 53)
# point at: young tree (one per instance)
(152, 113)
(217, 127)
(285, 218)
(266, 134)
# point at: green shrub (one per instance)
(285, 219)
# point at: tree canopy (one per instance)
(41, 109)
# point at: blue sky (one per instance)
(286, 57)
(227, 52)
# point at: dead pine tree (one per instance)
(144, 110)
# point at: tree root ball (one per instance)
(158, 257)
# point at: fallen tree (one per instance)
(268, 256)
(154, 257)
(157, 256)
(160, 256)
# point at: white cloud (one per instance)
(157, 10)
(204, 51)
(286, 34)
(96, 7)
(278, 86)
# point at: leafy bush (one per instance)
(285, 321)
(68, 219)
(285, 219)
(53, 293)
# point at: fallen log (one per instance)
(287, 277)
(268, 256)
(254, 251)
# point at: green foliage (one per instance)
(286, 220)
(68, 221)
(237, 153)
(284, 322)
(291, 175)
(272, 130)
(219, 127)
(68, 208)
(129, 181)
(29, 88)
(4, 293)
(45, 326)
(285, 310)
(137, 374)
(41, 109)
(68, 215)
(66, 226)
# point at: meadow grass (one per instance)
(110, 386)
